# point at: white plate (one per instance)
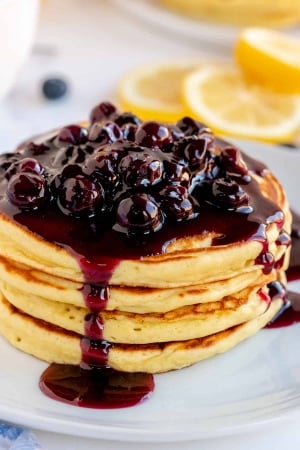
(149, 11)
(249, 386)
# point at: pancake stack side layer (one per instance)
(142, 246)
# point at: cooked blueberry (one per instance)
(141, 169)
(54, 88)
(79, 196)
(127, 118)
(277, 290)
(152, 134)
(233, 162)
(73, 134)
(176, 203)
(191, 127)
(212, 168)
(175, 172)
(69, 171)
(128, 131)
(103, 166)
(138, 213)
(32, 149)
(7, 159)
(267, 260)
(27, 190)
(103, 111)
(176, 133)
(229, 194)
(178, 147)
(196, 153)
(24, 165)
(284, 238)
(104, 132)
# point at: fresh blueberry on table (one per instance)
(54, 88)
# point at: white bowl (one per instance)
(18, 20)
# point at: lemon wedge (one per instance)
(219, 96)
(154, 91)
(270, 58)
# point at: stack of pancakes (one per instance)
(164, 311)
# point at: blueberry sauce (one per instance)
(95, 296)
(293, 272)
(93, 384)
(289, 314)
(103, 388)
(121, 190)
(290, 311)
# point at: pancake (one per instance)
(53, 344)
(182, 324)
(124, 298)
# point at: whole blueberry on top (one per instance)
(152, 134)
(73, 134)
(138, 213)
(141, 169)
(104, 132)
(102, 111)
(27, 190)
(80, 196)
(191, 127)
(24, 165)
(233, 162)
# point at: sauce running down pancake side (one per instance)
(290, 312)
(89, 241)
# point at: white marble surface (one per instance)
(92, 44)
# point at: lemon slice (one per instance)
(154, 91)
(270, 58)
(219, 96)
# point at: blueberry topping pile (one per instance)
(131, 175)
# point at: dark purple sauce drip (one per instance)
(94, 384)
(265, 297)
(94, 352)
(97, 387)
(267, 261)
(95, 296)
(93, 326)
(289, 314)
(293, 272)
(290, 311)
